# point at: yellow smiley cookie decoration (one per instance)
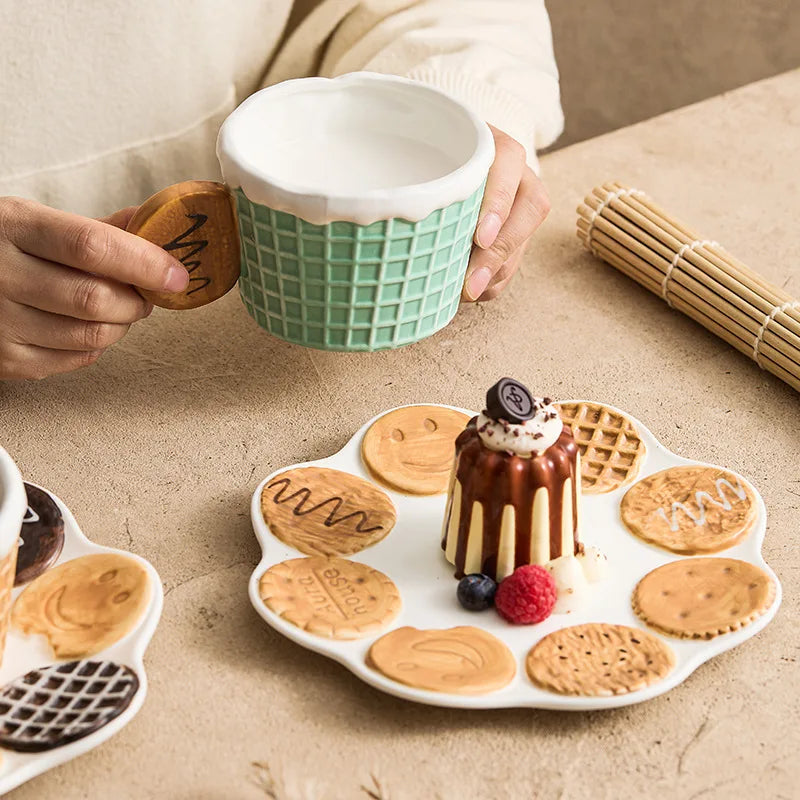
(84, 605)
(411, 449)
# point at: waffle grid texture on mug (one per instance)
(344, 286)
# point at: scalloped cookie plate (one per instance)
(412, 557)
(24, 653)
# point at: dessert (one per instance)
(527, 596)
(690, 510)
(700, 598)
(462, 660)
(598, 660)
(611, 448)
(41, 537)
(476, 592)
(514, 494)
(330, 597)
(571, 584)
(84, 605)
(326, 512)
(61, 703)
(410, 449)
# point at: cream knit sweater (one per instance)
(100, 107)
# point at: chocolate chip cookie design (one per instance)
(411, 449)
(690, 510)
(330, 597)
(461, 660)
(41, 536)
(599, 660)
(84, 605)
(61, 703)
(326, 512)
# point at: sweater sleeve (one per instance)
(496, 56)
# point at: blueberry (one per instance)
(476, 592)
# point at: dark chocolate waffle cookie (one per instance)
(60, 703)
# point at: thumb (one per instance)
(121, 218)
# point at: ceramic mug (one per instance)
(13, 506)
(356, 199)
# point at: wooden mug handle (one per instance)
(194, 221)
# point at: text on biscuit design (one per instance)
(302, 496)
(701, 498)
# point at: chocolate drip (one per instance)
(499, 479)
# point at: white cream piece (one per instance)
(531, 437)
(573, 588)
(506, 552)
(540, 530)
(452, 528)
(473, 560)
(594, 564)
(361, 147)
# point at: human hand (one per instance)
(66, 286)
(514, 205)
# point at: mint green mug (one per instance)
(357, 199)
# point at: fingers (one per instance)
(90, 245)
(528, 211)
(504, 275)
(28, 362)
(121, 218)
(501, 188)
(25, 325)
(71, 292)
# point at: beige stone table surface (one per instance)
(158, 447)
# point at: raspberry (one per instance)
(527, 596)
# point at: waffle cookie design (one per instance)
(462, 660)
(611, 449)
(330, 597)
(700, 598)
(690, 510)
(598, 660)
(58, 704)
(326, 512)
(41, 537)
(411, 449)
(84, 605)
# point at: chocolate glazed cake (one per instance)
(515, 489)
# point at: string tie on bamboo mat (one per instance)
(697, 243)
(599, 210)
(764, 325)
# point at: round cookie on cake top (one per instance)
(514, 495)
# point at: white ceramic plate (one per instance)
(24, 653)
(411, 556)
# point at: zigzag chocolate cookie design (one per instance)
(325, 512)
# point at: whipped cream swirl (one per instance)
(527, 438)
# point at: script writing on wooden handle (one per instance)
(195, 222)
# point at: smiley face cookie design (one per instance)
(690, 510)
(326, 512)
(84, 605)
(462, 660)
(41, 536)
(411, 449)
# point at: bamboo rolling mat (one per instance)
(625, 228)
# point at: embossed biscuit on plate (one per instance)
(326, 512)
(411, 449)
(611, 448)
(699, 598)
(461, 660)
(598, 660)
(690, 509)
(330, 597)
(84, 605)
